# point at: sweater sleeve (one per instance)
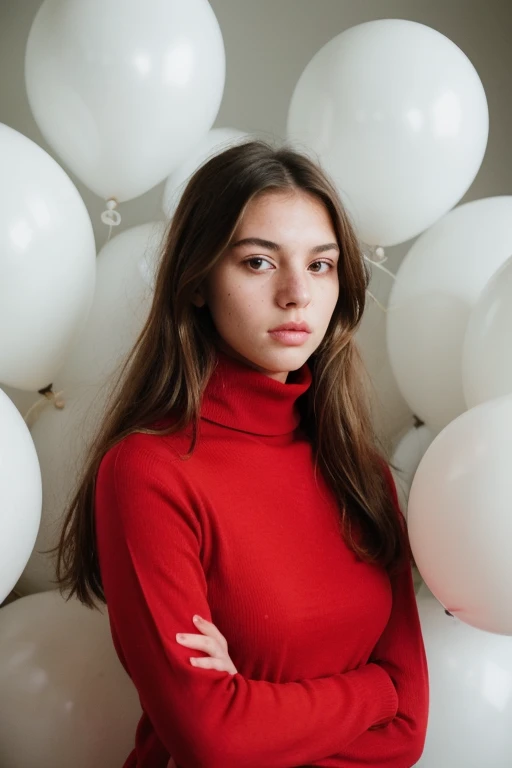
(150, 542)
(401, 652)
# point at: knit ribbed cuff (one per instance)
(386, 694)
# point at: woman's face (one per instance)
(290, 276)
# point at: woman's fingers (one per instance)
(209, 662)
(211, 642)
(200, 643)
(207, 628)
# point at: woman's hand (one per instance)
(212, 642)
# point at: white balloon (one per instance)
(47, 263)
(459, 520)
(398, 116)
(122, 90)
(407, 456)
(470, 680)
(214, 142)
(66, 700)
(436, 287)
(126, 268)
(487, 349)
(20, 495)
(124, 291)
(62, 439)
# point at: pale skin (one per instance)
(290, 275)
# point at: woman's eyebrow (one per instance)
(271, 246)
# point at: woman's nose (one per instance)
(293, 289)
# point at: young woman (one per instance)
(237, 478)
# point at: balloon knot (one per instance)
(111, 216)
(375, 253)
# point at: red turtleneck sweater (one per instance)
(326, 647)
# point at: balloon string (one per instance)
(48, 396)
(379, 252)
(370, 294)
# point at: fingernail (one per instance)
(179, 636)
(193, 660)
(196, 619)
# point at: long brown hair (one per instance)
(175, 354)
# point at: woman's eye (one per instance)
(321, 263)
(256, 262)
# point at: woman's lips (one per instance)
(290, 338)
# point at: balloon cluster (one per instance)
(396, 114)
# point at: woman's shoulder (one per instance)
(143, 452)
(141, 471)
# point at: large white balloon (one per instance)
(47, 263)
(487, 349)
(214, 142)
(470, 677)
(121, 90)
(459, 516)
(124, 291)
(20, 495)
(126, 268)
(436, 287)
(398, 116)
(66, 700)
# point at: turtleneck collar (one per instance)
(239, 397)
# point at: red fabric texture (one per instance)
(327, 648)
